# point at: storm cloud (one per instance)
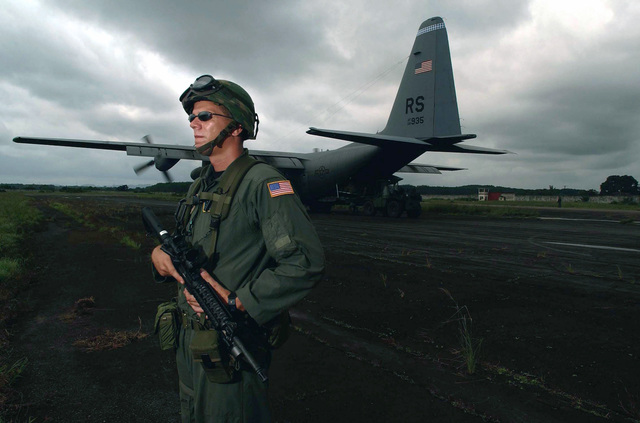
(555, 82)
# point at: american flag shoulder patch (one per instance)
(276, 189)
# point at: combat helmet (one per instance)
(227, 94)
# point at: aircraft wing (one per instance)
(277, 159)
(132, 148)
(443, 144)
(280, 160)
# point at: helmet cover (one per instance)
(226, 94)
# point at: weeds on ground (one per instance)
(384, 279)
(81, 307)
(128, 242)
(10, 371)
(18, 218)
(81, 218)
(9, 268)
(631, 406)
(91, 220)
(469, 347)
(110, 340)
(620, 275)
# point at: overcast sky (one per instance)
(556, 82)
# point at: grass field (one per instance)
(17, 219)
(169, 196)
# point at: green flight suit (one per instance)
(267, 252)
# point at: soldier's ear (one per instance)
(236, 132)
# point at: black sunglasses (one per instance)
(205, 116)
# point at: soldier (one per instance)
(262, 249)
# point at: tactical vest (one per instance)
(216, 203)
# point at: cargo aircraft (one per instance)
(424, 118)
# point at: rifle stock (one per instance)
(188, 261)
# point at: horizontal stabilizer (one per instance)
(449, 144)
(364, 138)
(449, 139)
(424, 168)
(458, 148)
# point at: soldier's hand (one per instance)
(191, 300)
(163, 264)
(221, 290)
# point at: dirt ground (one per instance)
(556, 325)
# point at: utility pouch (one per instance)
(166, 325)
(206, 350)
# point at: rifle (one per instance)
(188, 261)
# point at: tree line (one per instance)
(614, 185)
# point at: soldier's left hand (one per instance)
(220, 290)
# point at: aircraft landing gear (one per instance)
(393, 209)
(368, 209)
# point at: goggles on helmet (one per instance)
(203, 84)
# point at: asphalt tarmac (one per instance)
(604, 246)
(555, 301)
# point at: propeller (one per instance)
(163, 164)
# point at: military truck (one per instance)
(392, 200)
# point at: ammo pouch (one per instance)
(166, 325)
(217, 364)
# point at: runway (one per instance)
(605, 253)
(554, 301)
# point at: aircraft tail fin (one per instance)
(426, 105)
(425, 115)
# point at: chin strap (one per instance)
(207, 148)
